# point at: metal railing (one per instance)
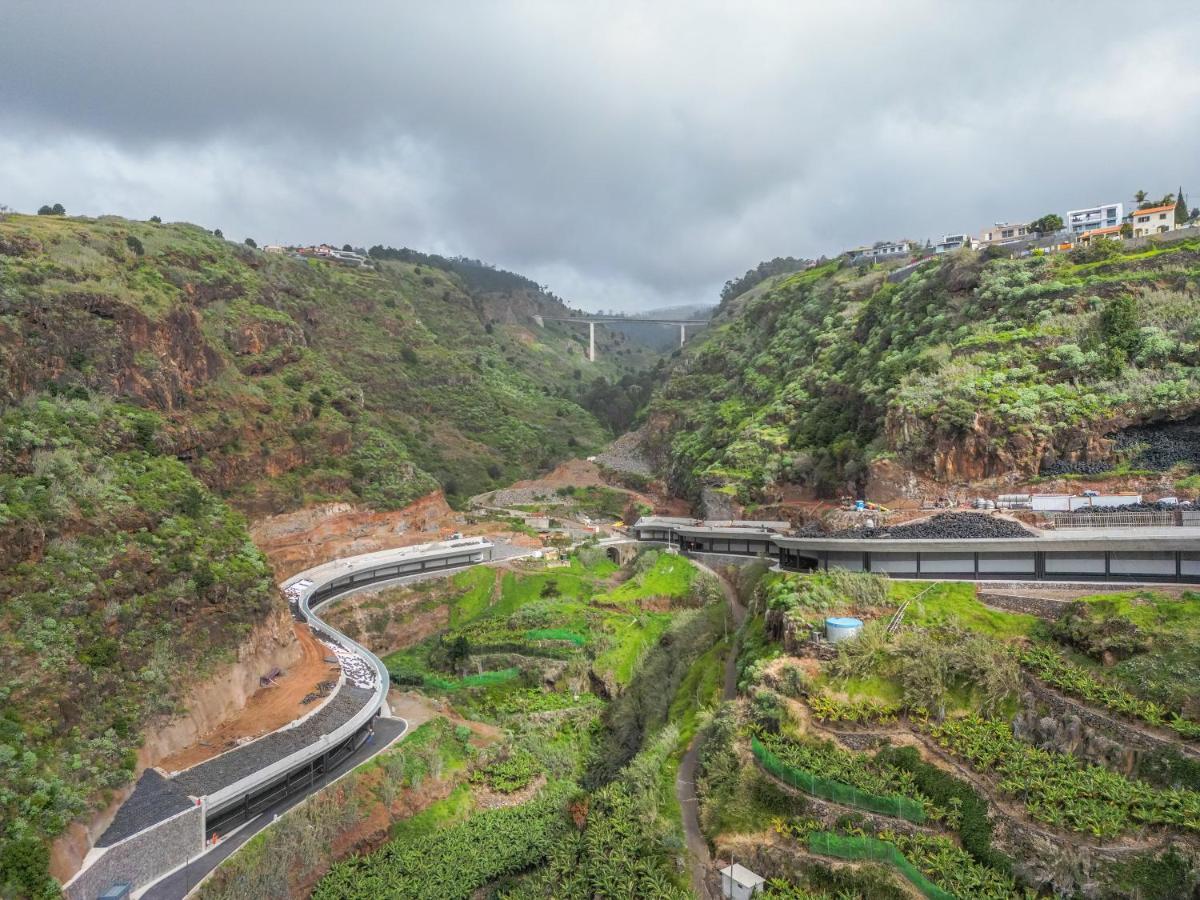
(1112, 520)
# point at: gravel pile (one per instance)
(1159, 447)
(153, 800)
(227, 768)
(359, 672)
(815, 530)
(1155, 506)
(625, 454)
(954, 526)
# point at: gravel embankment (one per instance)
(1155, 447)
(956, 526)
(1129, 508)
(154, 799)
(625, 454)
(224, 770)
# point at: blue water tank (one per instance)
(842, 628)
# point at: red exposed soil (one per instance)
(268, 709)
(307, 537)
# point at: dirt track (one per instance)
(703, 877)
(269, 708)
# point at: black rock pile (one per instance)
(1158, 448)
(1153, 506)
(945, 526)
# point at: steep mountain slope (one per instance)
(973, 367)
(285, 381)
(123, 581)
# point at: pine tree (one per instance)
(1181, 210)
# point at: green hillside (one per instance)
(150, 376)
(286, 381)
(971, 367)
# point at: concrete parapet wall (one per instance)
(142, 858)
(719, 560)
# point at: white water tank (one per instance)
(842, 628)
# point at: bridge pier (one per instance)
(682, 333)
(592, 341)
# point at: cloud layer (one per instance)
(630, 154)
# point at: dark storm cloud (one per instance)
(628, 154)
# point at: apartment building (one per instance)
(1078, 221)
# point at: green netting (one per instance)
(838, 792)
(826, 843)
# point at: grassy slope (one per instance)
(826, 370)
(292, 381)
(124, 345)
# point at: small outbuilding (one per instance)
(739, 883)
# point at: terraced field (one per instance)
(970, 752)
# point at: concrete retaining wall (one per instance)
(142, 858)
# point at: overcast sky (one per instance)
(630, 155)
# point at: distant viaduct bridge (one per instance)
(593, 321)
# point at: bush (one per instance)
(1098, 630)
(948, 792)
(25, 869)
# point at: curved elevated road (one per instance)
(244, 789)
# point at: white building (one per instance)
(1108, 215)
(739, 883)
(880, 250)
(1155, 220)
(952, 242)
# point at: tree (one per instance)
(157, 220)
(217, 233)
(250, 242)
(56, 210)
(1181, 210)
(1119, 323)
(1047, 224)
(1140, 197)
(135, 245)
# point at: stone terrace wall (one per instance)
(144, 857)
(1041, 607)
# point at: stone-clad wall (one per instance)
(144, 857)
(1062, 706)
(1041, 607)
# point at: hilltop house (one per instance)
(1001, 233)
(952, 242)
(1153, 220)
(880, 251)
(1106, 216)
